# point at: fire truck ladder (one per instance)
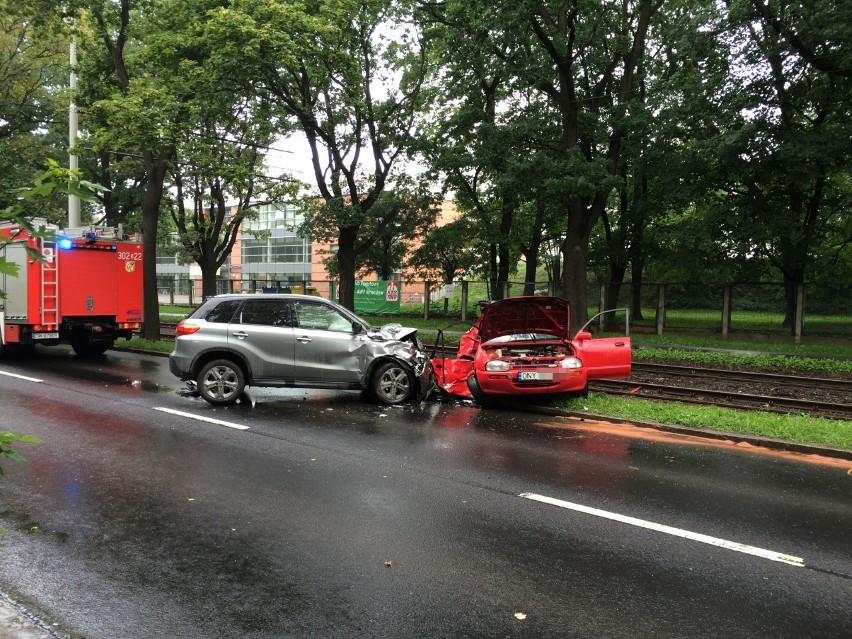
(49, 284)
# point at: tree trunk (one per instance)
(208, 280)
(575, 256)
(156, 170)
(530, 271)
(532, 251)
(616, 281)
(346, 267)
(791, 288)
(495, 291)
(636, 294)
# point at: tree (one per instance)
(220, 167)
(444, 253)
(596, 50)
(467, 138)
(146, 85)
(785, 167)
(32, 72)
(411, 215)
(349, 74)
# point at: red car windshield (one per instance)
(525, 315)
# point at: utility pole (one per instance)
(73, 200)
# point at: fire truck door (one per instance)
(15, 304)
(88, 281)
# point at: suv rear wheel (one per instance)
(220, 382)
(392, 384)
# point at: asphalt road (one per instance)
(314, 514)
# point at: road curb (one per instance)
(17, 623)
(737, 438)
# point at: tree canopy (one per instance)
(645, 139)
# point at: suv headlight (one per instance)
(497, 365)
(571, 362)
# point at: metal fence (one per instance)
(738, 308)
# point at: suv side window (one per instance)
(321, 316)
(222, 312)
(266, 313)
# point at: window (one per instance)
(275, 216)
(254, 251)
(266, 313)
(277, 250)
(317, 315)
(223, 312)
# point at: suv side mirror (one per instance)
(357, 328)
(583, 335)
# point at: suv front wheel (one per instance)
(392, 384)
(221, 382)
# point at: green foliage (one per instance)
(8, 441)
(53, 180)
(32, 61)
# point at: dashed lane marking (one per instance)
(677, 532)
(29, 379)
(200, 418)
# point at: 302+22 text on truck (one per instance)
(85, 291)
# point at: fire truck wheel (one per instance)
(87, 349)
(221, 382)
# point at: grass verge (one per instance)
(801, 429)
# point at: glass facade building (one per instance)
(268, 252)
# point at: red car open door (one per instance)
(605, 357)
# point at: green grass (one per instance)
(812, 356)
(801, 429)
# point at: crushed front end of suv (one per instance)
(238, 340)
(521, 346)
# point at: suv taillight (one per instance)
(186, 328)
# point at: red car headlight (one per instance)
(571, 362)
(496, 365)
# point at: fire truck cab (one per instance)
(86, 292)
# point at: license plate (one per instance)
(533, 376)
(45, 336)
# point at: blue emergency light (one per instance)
(64, 243)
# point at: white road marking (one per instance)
(29, 379)
(200, 418)
(677, 532)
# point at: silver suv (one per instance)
(234, 341)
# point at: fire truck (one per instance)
(86, 292)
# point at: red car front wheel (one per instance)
(481, 398)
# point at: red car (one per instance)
(522, 346)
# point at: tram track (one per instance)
(724, 399)
(741, 389)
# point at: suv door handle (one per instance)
(304, 339)
(240, 334)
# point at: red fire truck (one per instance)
(86, 292)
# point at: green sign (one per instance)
(377, 297)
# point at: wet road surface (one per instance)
(314, 514)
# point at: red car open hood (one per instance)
(513, 315)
